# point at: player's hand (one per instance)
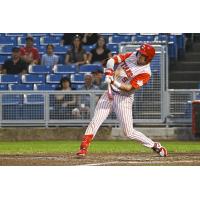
(109, 79)
(109, 72)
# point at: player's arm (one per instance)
(137, 82)
(117, 59)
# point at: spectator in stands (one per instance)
(90, 38)
(76, 54)
(83, 109)
(29, 53)
(15, 65)
(64, 103)
(98, 80)
(100, 53)
(49, 59)
(67, 38)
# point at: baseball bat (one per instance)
(110, 95)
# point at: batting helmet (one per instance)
(148, 51)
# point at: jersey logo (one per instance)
(140, 83)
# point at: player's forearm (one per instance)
(123, 86)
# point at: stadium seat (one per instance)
(7, 49)
(88, 48)
(16, 34)
(89, 68)
(39, 69)
(3, 58)
(8, 40)
(33, 78)
(54, 78)
(61, 49)
(172, 47)
(121, 38)
(77, 78)
(3, 87)
(114, 48)
(51, 40)
(42, 49)
(20, 87)
(162, 37)
(77, 86)
(9, 78)
(45, 86)
(33, 99)
(144, 38)
(12, 99)
(64, 69)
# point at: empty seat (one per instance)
(67, 69)
(61, 49)
(121, 38)
(54, 78)
(11, 40)
(51, 40)
(9, 78)
(7, 49)
(45, 86)
(21, 87)
(77, 86)
(77, 78)
(3, 87)
(3, 58)
(33, 99)
(144, 38)
(41, 49)
(88, 48)
(12, 99)
(90, 68)
(33, 78)
(39, 69)
(114, 48)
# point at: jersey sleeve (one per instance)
(121, 57)
(140, 80)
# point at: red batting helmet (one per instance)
(148, 51)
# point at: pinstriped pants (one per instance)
(122, 105)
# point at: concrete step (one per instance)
(183, 84)
(184, 75)
(192, 56)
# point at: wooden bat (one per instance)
(110, 95)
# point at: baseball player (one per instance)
(125, 73)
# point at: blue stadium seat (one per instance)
(3, 87)
(172, 47)
(64, 69)
(33, 99)
(9, 78)
(12, 99)
(88, 48)
(162, 37)
(16, 34)
(33, 78)
(53, 78)
(7, 49)
(3, 58)
(51, 40)
(39, 69)
(77, 86)
(56, 34)
(121, 38)
(61, 49)
(8, 40)
(45, 86)
(113, 47)
(144, 38)
(21, 87)
(90, 68)
(77, 78)
(42, 49)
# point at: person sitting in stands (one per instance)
(15, 65)
(76, 55)
(100, 53)
(29, 53)
(49, 59)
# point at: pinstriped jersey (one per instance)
(128, 71)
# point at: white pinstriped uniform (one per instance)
(122, 103)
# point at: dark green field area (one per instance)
(34, 147)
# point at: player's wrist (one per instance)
(117, 84)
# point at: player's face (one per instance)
(141, 59)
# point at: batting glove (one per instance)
(109, 79)
(109, 72)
